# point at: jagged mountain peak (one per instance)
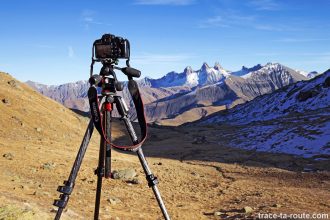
(273, 65)
(189, 77)
(254, 68)
(205, 66)
(188, 70)
(245, 70)
(217, 66)
(273, 68)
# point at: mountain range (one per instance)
(177, 98)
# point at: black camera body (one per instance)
(112, 47)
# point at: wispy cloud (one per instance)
(227, 19)
(269, 27)
(165, 2)
(301, 40)
(88, 17)
(265, 5)
(232, 19)
(70, 52)
(149, 58)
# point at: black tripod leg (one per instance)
(100, 174)
(152, 180)
(107, 171)
(66, 190)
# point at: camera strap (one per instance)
(138, 103)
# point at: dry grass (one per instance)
(191, 115)
(196, 180)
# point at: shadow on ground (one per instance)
(212, 144)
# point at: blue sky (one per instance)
(50, 41)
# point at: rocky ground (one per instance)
(199, 179)
(200, 176)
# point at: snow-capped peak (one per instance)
(189, 77)
(309, 75)
(267, 69)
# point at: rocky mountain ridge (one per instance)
(176, 93)
(294, 119)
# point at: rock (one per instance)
(218, 213)
(277, 205)
(12, 83)
(326, 83)
(113, 200)
(6, 101)
(38, 129)
(247, 209)
(8, 156)
(90, 181)
(127, 174)
(24, 187)
(48, 166)
(200, 140)
(134, 181)
(194, 174)
(27, 207)
(304, 95)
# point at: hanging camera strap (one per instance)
(138, 103)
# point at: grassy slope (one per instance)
(195, 179)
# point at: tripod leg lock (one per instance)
(61, 203)
(152, 180)
(66, 190)
(99, 172)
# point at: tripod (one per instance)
(102, 122)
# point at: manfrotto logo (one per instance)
(94, 108)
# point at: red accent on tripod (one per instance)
(108, 106)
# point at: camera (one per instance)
(112, 47)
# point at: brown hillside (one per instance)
(200, 177)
